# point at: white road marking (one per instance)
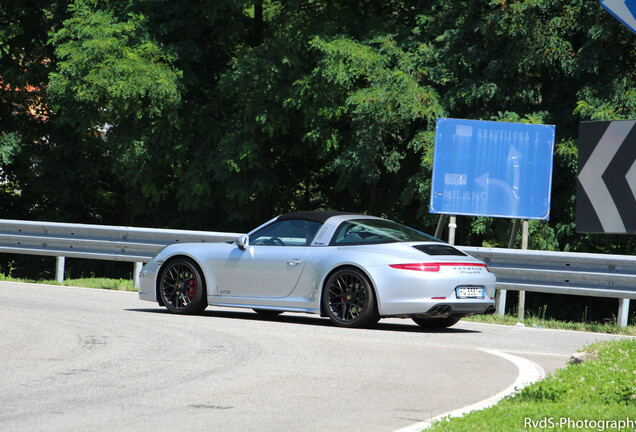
(538, 353)
(617, 336)
(529, 372)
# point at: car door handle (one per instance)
(294, 262)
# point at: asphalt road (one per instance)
(81, 359)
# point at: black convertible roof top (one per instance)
(315, 216)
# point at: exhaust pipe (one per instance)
(439, 310)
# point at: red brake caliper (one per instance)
(192, 290)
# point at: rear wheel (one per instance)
(348, 299)
(436, 323)
(181, 287)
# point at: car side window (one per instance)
(291, 232)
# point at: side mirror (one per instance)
(243, 241)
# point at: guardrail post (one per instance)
(59, 268)
(136, 272)
(500, 308)
(623, 312)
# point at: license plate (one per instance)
(470, 292)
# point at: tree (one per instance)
(24, 126)
(560, 62)
(208, 114)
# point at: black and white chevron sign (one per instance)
(606, 186)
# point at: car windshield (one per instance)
(370, 231)
(289, 232)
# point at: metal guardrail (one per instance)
(518, 270)
(571, 273)
(102, 242)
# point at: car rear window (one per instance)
(373, 231)
(439, 249)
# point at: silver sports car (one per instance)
(352, 268)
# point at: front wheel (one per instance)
(181, 287)
(436, 323)
(348, 299)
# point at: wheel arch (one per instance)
(323, 312)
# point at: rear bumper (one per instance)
(434, 308)
(409, 293)
(443, 310)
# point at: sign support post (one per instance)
(502, 294)
(524, 246)
(440, 226)
(452, 225)
(513, 234)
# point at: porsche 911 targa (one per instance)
(352, 268)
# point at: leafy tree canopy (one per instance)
(218, 114)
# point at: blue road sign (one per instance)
(623, 10)
(485, 168)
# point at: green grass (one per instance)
(603, 389)
(97, 283)
(537, 321)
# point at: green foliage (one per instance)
(93, 282)
(594, 105)
(24, 67)
(351, 102)
(109, 71)
(10, 144)
(564, 61)
(99, 283)
(387, 113)
(218, 115)
(537, 319)
(607, 380)
(116, 90)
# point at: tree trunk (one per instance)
(258, 22)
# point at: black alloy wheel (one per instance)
(348, 299)
(181, 287)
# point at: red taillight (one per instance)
(434, 267)
(417, 266)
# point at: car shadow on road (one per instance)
(312, 320)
